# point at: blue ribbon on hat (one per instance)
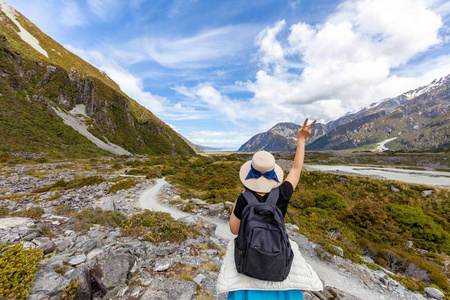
(253, 173)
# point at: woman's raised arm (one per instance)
(303, 133)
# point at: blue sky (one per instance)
(220, 72)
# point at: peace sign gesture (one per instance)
(305, 131)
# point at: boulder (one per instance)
(215, 209)
(84, 289)
(48, 284)
(189, 220)
(111, 270)
(163, 265)
(44, 244)
(167, 288)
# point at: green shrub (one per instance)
(71, 290)
(60, 269)
(122, 185)
(88, 217)
(428, 235)
(330, 201)
(63, 210)
(157, 227)
(18, 268)
(410, 283)
(4, 211)
(34, 212)
(72, 184)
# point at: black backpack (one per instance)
(262, 249)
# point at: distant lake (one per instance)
(412, 176)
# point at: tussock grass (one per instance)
(122, 185)
(72, 184)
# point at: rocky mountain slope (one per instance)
(418, 119)
(40, 78)
(281, 137)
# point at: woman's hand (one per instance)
(305, 131)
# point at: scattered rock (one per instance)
(435, 293)
(48, 284)
(84, 289)
(394, 189)
(111, 270)
(162, 265)
(44, 244)
(367, 259)
(215, 209)
(167, 288)
(189, 220)
(427, 192)
(339, 250)
(76, 260)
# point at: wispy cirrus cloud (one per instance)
(104, 8)
(205, 49)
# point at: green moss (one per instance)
(18, 268)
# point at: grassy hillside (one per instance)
(64, 80)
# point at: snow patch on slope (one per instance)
(23, 33)
(78, 124)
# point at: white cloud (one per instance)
(219, 139)
(348, 60)
(205, 49)
(270, 49)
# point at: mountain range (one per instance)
(53, 102)
(416, 120)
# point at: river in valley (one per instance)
(435, 178)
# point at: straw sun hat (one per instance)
(261, 174)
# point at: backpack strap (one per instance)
(273, 196)
(251, 199)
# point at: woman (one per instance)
(260, 176)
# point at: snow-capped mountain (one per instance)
(420, 119)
